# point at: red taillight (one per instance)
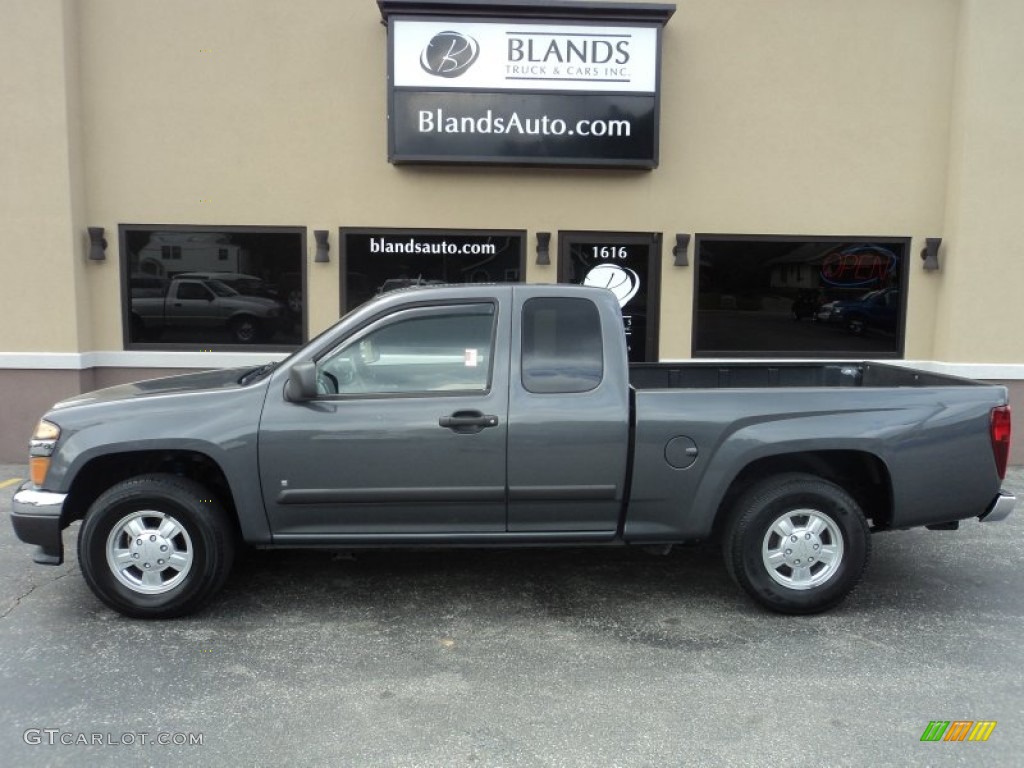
(999, 430)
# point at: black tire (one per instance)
(822, 565)
(246, 330)
(198, 532)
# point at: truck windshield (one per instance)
(220, 288)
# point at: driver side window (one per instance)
(429, 349)
(192, 291)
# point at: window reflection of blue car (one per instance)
(876, 310)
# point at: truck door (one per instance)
(191, 306)
(568, 416)
(408, 435)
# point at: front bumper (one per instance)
(36, 517)
(1000, 508)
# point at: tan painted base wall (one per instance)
(28, 394)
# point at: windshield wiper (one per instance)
(250, 376)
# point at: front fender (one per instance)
(223, 426)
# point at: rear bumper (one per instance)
(36, 518)
(1000, 508)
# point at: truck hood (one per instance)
(251, 301)
(189, 382)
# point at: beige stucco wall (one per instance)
(43, 296)
(978, 316)
(803, 117)
(866, 117)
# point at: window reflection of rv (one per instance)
(171, 253)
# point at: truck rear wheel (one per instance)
(156, 546)
(797, 543)
(246, 330)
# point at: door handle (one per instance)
(468, 422)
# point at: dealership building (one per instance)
(210, 183)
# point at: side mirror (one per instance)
(301, 384)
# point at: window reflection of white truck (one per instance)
(171, 253)
(203, 304)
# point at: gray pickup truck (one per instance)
(203, 303)
(502, 416)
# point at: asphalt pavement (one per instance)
(592, 657)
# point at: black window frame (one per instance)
(125, 291)
(344, 232)
(904, 278)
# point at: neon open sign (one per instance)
(857, 266)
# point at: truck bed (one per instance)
(739, 375)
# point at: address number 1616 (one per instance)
(610, 252)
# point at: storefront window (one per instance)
(800, 296)
(629, 265)
(376, 261)
(213, 287)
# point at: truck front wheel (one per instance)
(156, 546)
(797, 543)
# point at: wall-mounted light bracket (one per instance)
(97, 244)
(930, 253)
(322, 246)
(543, 248)
(679, 250)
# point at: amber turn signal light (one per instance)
(37, 467)
(41, 447)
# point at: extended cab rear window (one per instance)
(562, 346)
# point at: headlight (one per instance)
(46, 430)
(41, 447)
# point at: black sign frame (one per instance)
(479, 150)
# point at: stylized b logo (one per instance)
(623, 282)
(449, 54)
